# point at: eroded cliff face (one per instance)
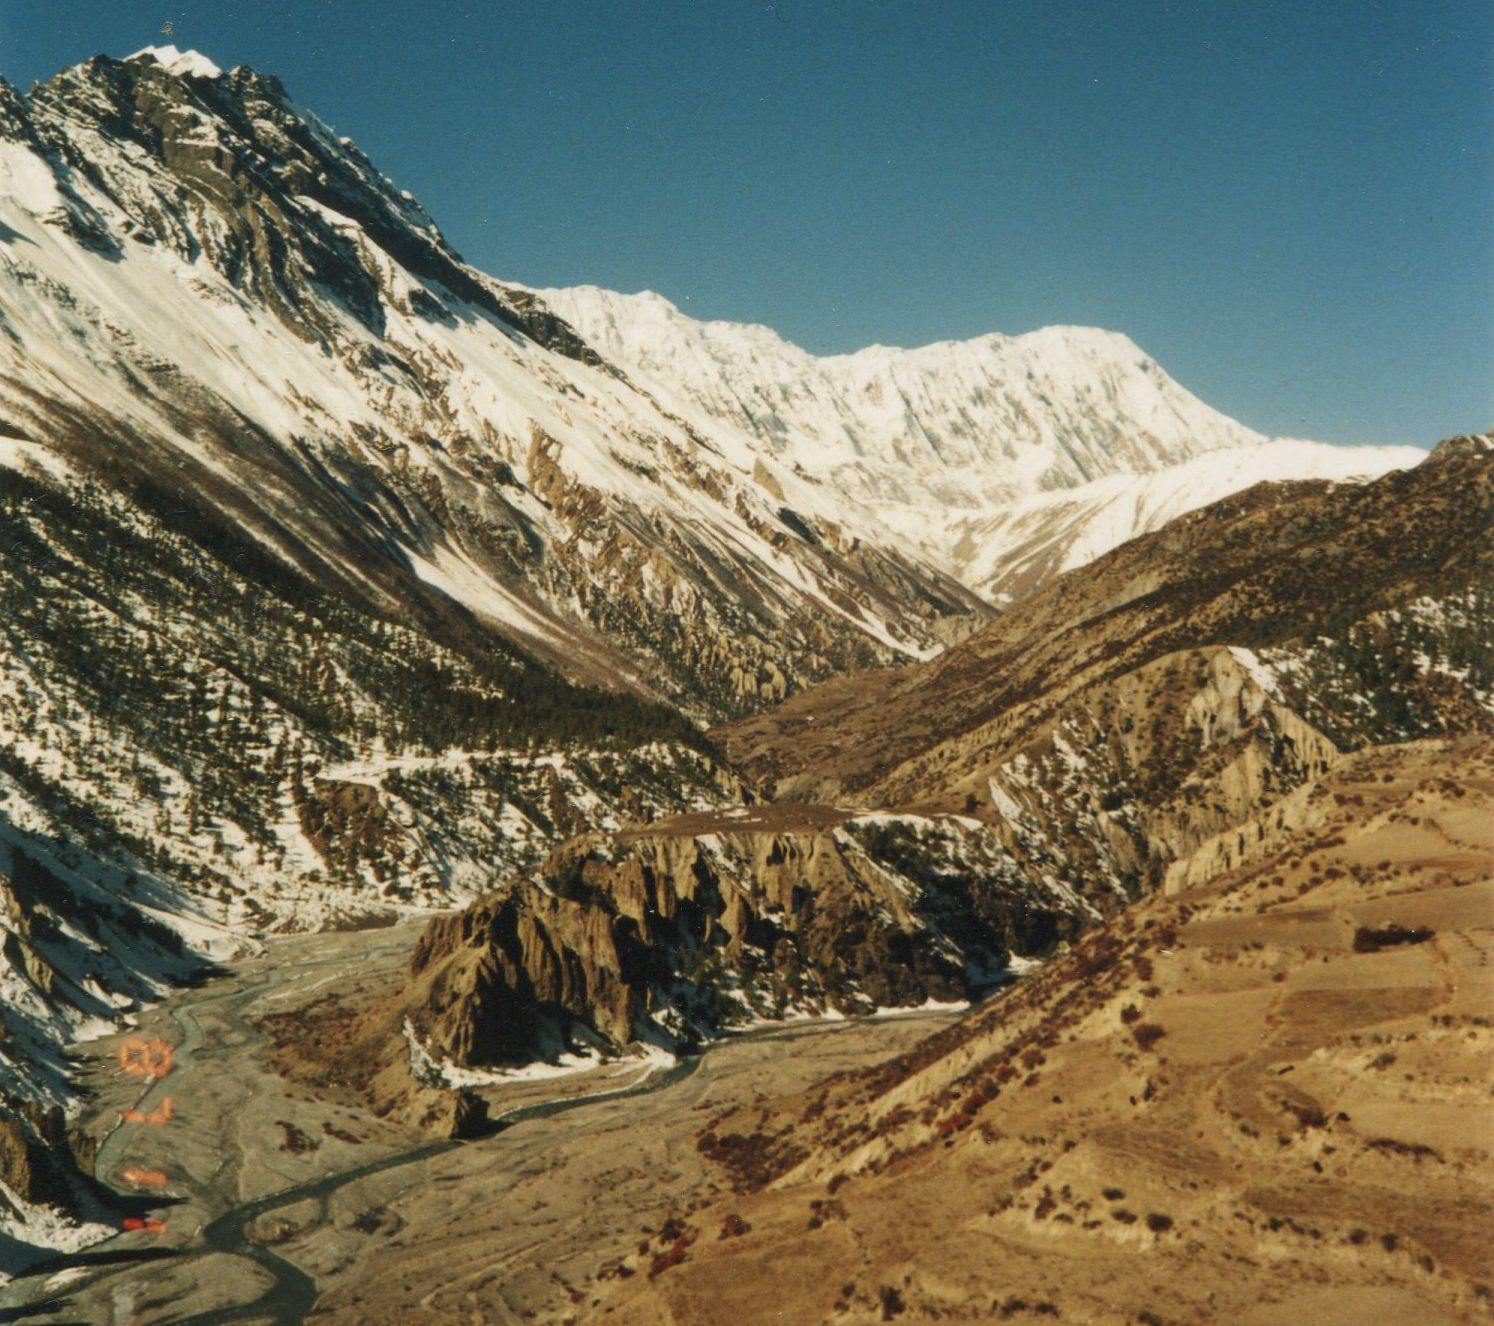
(39, 1153)
(524, 974)
(674, 932)
(1106, 788)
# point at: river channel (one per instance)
(491, 1225)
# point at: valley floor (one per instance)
(1260, 1098)
(282, 1204)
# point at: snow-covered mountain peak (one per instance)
(967, 424)
(184, 64)
(658, 328)
(950, 442)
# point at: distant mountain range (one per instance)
(1005, 459)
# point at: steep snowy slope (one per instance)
(1006, 458)
(196, 747)
(202, 290)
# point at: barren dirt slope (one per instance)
(1264, 1099)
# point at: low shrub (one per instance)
(1147, 1034)
(1368, 939)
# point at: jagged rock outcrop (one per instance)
(448, 1115)
(680, 930)
(507, 977)
(351, 815)
(39, 1152)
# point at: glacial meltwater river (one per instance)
(120, 1283)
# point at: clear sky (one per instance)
(1288, 204)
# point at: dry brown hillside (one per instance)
(1263, 1099)
(1281, 565)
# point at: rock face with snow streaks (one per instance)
(1007, 459)
(208, 293)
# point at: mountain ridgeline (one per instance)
(1027, 784)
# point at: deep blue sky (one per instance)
(1287, 204)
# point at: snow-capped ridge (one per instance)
(648, 305)
(184, 64)
(1063, 431)
(1094, 341)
